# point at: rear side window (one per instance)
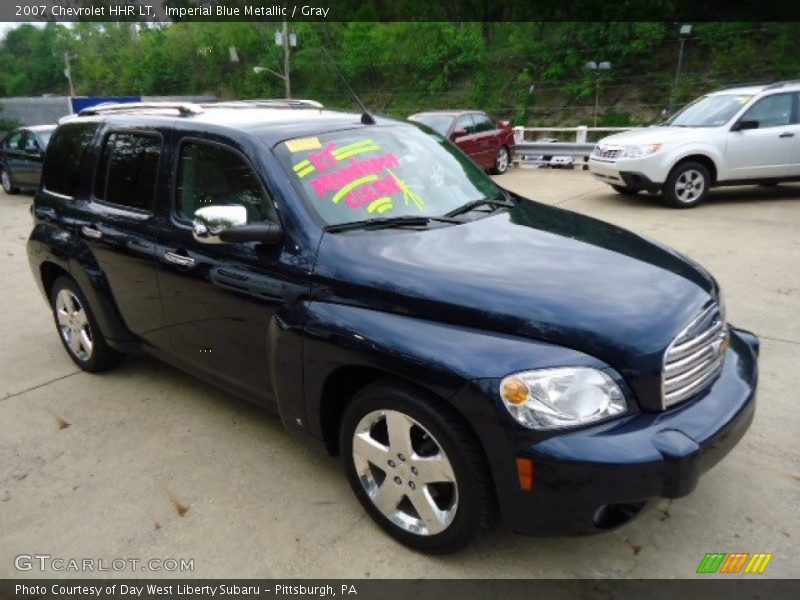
(128, 168)
(12, 142)
(210, 175)
(65, 158)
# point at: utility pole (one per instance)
(286, 60)
(287, 40)
(685, 30)
(68, 73)
(597, 67)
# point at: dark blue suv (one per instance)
(468, 352)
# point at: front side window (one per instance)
(710, 111)
(29, 143)
(466, 123)
(380, 172)
(209, 174)
(64, 164)
(483, 123)
(128, 170)
(772, 111)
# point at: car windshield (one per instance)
(710, 111)
(382, 172)
(437, 122)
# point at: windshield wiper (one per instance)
(404, 221)
(493, 202)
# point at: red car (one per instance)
(484, 139)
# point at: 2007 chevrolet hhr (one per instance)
(468, 352)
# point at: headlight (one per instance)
(639, 151)
(563, 397)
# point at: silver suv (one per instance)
(735, 136)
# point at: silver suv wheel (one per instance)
(689, 186)
(74, 325)
(405, 472)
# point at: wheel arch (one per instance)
(48, 273)
(346, 381)
(703, 159)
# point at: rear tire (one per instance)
(5, 181)
(625, 191)
(687, 185)
(416, 468)
(77, 328)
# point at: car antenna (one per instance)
(366, 117)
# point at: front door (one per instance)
(771, 150)
(220, 300)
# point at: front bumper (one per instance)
(641, 174)
(596, 478)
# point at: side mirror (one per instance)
(743, 125)
(227, 224)
(457, 133)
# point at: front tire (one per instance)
(5, 181)
(502, 160)
(687, 185)
(416, 468)
(78, 330)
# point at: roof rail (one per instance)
(268, 103)
(183, 108)
(781, 84)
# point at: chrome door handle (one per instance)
(786, 134)
(91, 232)
(179, 259)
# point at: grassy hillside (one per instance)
(532, 73)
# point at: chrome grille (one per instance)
(607, 152)
(694, 358)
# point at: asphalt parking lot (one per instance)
(146, 462)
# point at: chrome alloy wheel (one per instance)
(501, 163)
(690, 186)
(405, 472)
(74, 325)
(5, 181)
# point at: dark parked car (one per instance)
(485, 139)
(21, 155)
(467, 351)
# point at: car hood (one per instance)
(653, 135)
(534, 271)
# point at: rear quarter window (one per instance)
(67, 153)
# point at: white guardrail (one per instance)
(529, 152)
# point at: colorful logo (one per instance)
(734, 563)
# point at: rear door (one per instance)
(771, 150)
(120, 226)
(488, 138)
